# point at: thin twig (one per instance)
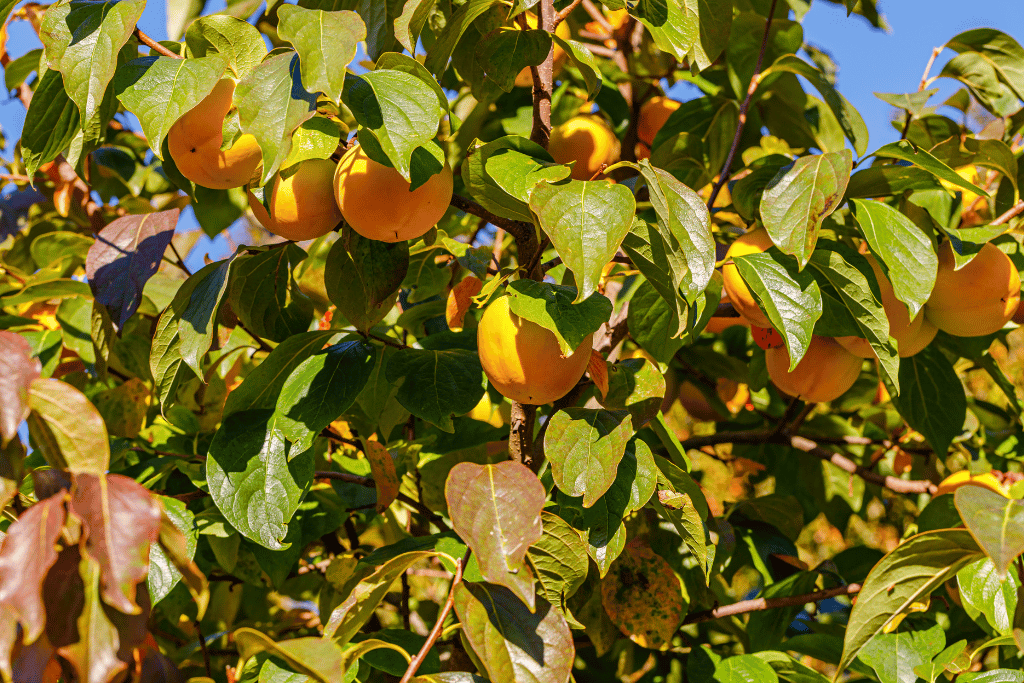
(181, 261)
(760, 604)
(435, 632)
(517, 229)
(388, 340)
(755, 79)
(154, 46)
(206, 653)
(264, 346)
(1013, 212)
(561, 16)
(936, 51)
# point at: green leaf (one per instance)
(994, 154)
(895, 656)
(197, 321)
(351, 615)
(165, 360)
(441, 51)
(18, 70)
(508, 51)
(362, 277)
(913, 102)
(262, 387)
(378, 399)
(584, 447)
(326, 43)
(163, 574)
(514, 644)
(854, 128)
(906, 575)
(637, 386)
(76, 428)
(982, 78)
(886, 181)
(985, 591)
(181, 13)
(317, 138)
(851, 276)
(586, 221)
(319, 658)
(239, 42)
(411, 21)
(437, 385)
(159, 90)
(321, 388)
(904, 249)
(653, 323)
(379, 16)
(1003, 52)
(585, 61)
(552, 307)
(398, 108)
(559, 559)
(789, 669)
(992, 676)
(694, 31)
(743, 669)
(62, 288)
(496, 510)
(520, 165)
(932, 401)
(683, 216)
(256, 478)
(82, 39)
(265, 296)
(906, 151)
(271, 104)
(993, 520)
(791, 298)
(50, 124)
(659, 258)
(800, 197)
(767, 629)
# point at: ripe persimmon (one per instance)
(301, 200)
(826, 372)
(979, 298)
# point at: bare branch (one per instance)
(435, 632)
(153, 45)
(761, 604)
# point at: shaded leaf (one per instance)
(94, 654)
(642, 596)
(661, 261)
(262, 387)
(559, 560)
(496, 510)
(441, 51)
(933, 400)
(319, 658)
(503, 54)
(126, 253)
(76, 427)
(437, 385)
(382, 469)
(502, 173)
(905, 150)
(362, 277)
(265, 295)
(51, 123)
(18, 369)
(637, 386)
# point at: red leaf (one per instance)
(597, 366)
(120, 520)
(27, 553)
(460, 300)
(17, 370)
(766, 337)
(125, 255)
(382, 467)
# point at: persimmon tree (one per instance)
(523, 370)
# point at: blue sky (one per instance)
(869, 60)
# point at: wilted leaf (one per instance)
(496, 509)
(584, 447)
(514, 645)
(643, 597)
(126, 253)
(460, 301)
(18, 369)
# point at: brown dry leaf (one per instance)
(382, 468)
(598, 369)
(17, 370)
(642, 596)
(460, 300)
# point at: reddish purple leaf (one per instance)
(27, 553)
(94, 652)
(17, 370)
(125, 255)
(120, 520)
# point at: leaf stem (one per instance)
(435, 632)
(755, 79)
(153, 45)
(760, 604)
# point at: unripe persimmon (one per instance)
(195, 139)
(588, 141)
(375, 199)
(524, 79)
(754, 242)
(302, 205)
(522, 359)
(653, 115)
(979, 298)
(826, 372)
(911, 335)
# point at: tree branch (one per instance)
(518, 229)
(153, 45)
(1013, 212)
(543, 77)
(761, 604)
(755, 79)
(435, 632)
(561, 16)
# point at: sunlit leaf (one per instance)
(995, 521)
(643, 597)
(584, 447)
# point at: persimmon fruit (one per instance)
(826, 372)
(301, 201)
(195, 140)
(587, 140)
(376, 200)
(653, 115)
(753, 242)
(979, 298)
(523, 360)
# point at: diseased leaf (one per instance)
(800, 197)
(256, 478)
(514, 644)
(642, 596)
(77, 430)
(326, 43)
(584, 447)
(18, 369)
(586, 221)
(126, 253)
(496, 509)
(120, 520)
(906, 575)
